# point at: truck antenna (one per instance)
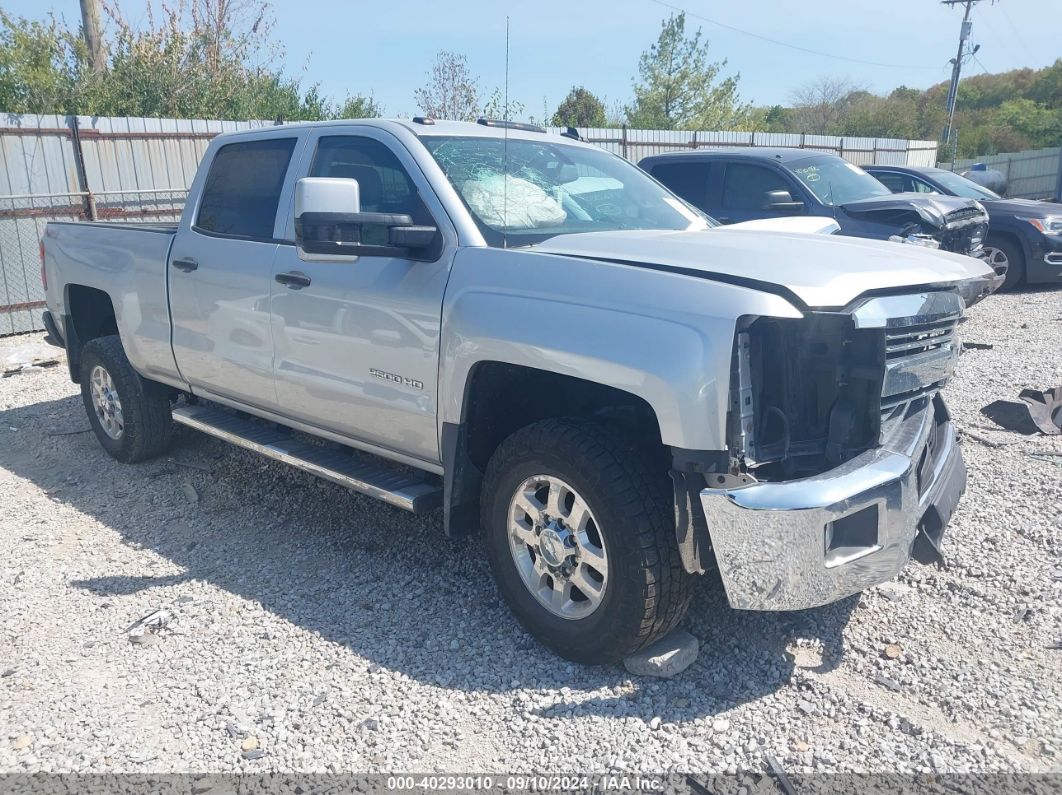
(505, 145)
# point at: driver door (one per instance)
(356, 339)
(743, 193)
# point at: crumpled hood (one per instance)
(932, 207)
(820, 270)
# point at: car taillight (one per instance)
(44, 273)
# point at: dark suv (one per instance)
(734, 185)
(1024, 236)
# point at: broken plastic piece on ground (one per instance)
(1035, 412)
(926, 549)
(149, 624)
(977, 346)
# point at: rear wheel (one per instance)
(1004, 256)
(581, 539)
(130, 415)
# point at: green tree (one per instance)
(197, 59)
(880, 117)
(452, 91)
(1047, 86)
(358, 107)
(1040, 124)
(580, 109)
(822, 106)
(38, 65)
(495, 107)
(679, 88)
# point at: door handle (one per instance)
(186, 265)
(296, 280)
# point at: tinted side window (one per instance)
(744, 185)
(918, 186)
(890, 179)
(384, 185)
(688, 179)
(242, 188)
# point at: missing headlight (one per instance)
(806, 394)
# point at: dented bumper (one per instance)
(809, 542)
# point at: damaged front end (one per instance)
(842, 461)
(938, 222)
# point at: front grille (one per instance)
(919, 359)
(919, 342)
(911, 340)
(963, 214)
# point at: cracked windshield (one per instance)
(537, 190)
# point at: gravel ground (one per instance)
(317, 630)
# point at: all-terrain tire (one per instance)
(648, 590)
(146, 423)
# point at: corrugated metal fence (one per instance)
(89, 168)
(138, 169)
(1032, 174)
(636, 144)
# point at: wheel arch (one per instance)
(501, 397)
(90, 314)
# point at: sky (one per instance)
(386, 48)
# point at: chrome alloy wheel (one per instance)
(106, 403)
(996, 258)
(557, 547)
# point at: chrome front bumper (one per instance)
(809, 542)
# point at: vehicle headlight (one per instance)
(1051, 225)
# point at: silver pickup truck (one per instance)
(536, 337)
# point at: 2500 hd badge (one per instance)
(398, 379)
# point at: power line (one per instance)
(1014, 29)
(787, 44)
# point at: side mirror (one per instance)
(329, 222)
(781, 200)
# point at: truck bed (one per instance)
(127, 262)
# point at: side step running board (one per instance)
(332, 462)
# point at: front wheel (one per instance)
(580, 535)
(130, 415)
(1007, 258)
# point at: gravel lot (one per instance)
(316, 630)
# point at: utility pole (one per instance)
(950, 139)
(93, 31)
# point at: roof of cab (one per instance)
(779, 154)
(423, 129)
(928, 170)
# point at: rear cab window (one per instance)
(241, 193)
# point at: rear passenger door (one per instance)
(220, 271)
(742, 192)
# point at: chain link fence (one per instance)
(22, 222)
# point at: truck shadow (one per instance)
(385, 584)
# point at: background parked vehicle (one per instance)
(735, 185)
(1024, 238)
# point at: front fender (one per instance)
(666, 338)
